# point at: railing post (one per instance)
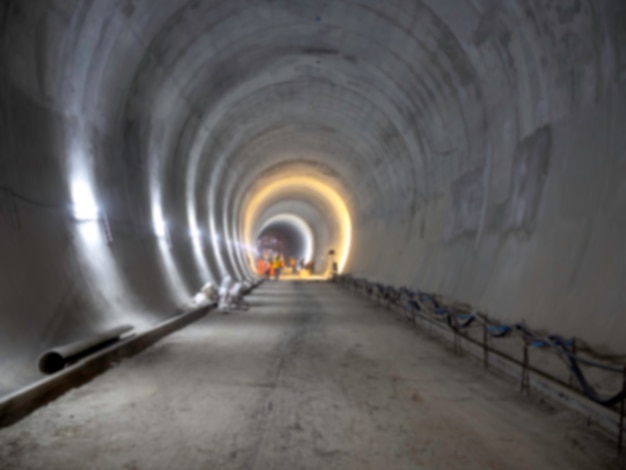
(485, 348)
(571, 374)
(620, 437)
(455, 328)
(525, 385)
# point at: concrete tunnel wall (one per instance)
(479, 146)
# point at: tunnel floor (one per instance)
(310, 377)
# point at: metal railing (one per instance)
(459, 317)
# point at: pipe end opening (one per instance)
(51, 362)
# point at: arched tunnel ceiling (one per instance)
(477, 147)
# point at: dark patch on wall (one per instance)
(387, 134)
(131, 138)
(617, 16)
(579, 256)
(31, 139)
(5, 11)
(319, 51)
(528, 175)
(466, 202)
(41, 47)
(567, 10)
(488, 24)
(127, 7)
(518, 212)
(575, 56)
(66, 320)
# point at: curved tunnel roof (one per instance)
(476, 147)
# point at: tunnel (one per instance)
(471, 148)
(288, 235)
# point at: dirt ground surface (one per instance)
(311, 377)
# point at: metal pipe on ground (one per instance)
(59, 357)
(22, 402)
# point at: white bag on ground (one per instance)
(224, 292)
(210, 292)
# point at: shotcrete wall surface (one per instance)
(478, 146)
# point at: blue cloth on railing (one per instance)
(498, 331)
(466, 319)
(564, 347)
(588, 390)
(542, 343)
(412, 305)
(406, 291)
(559, 339)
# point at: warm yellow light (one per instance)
(299, 183)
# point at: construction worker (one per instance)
(292, 265)
(277, 265)
(269, 267)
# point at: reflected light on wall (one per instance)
(95, 254)
(160, 227)
(177, 286)
(196, 236)
(84, 205)
(217, 248)
(86, 211)
(243, 246)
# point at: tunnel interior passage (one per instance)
(306, 206)
(287, 234)
(310, 377)
(470, 148)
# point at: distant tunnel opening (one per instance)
(287, 236)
